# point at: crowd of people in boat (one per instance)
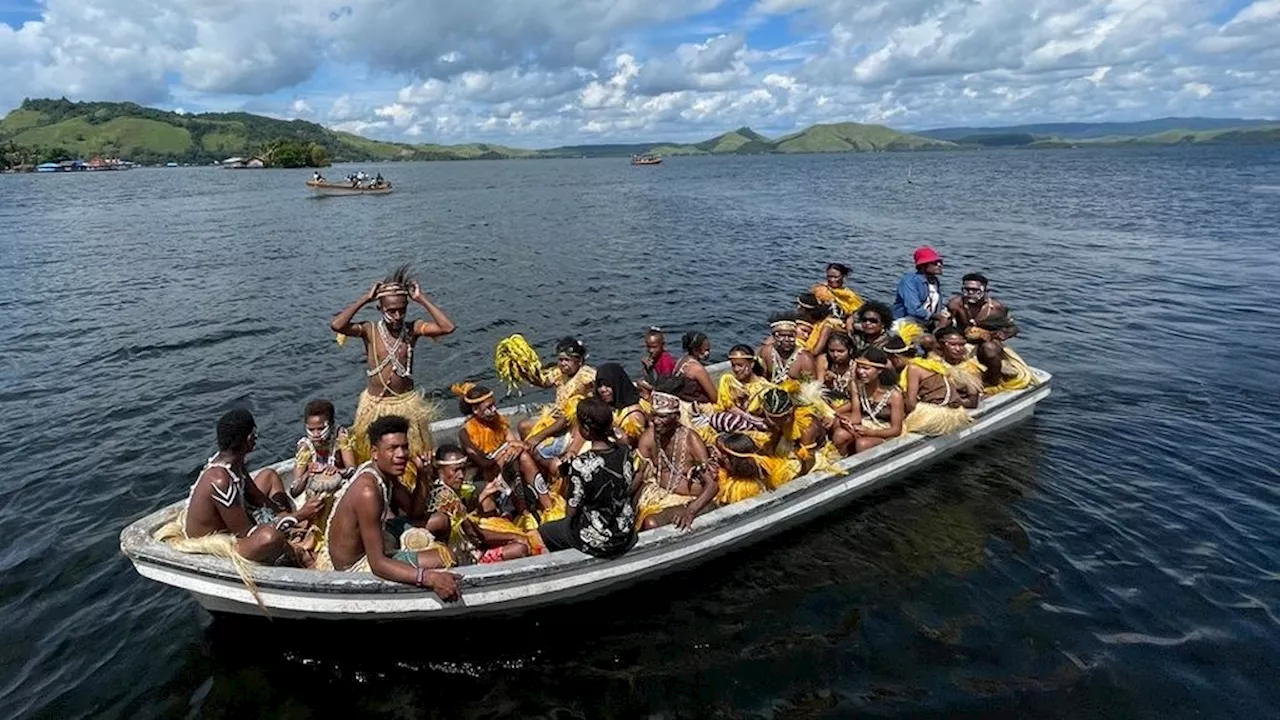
(359, 179)
(613, 454)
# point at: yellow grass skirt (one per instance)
(1015, 374)
(931, 419)
(223, 545)
(654, 499)
(413, 407)
(734, 490)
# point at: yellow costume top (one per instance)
(775, 473)
(843, 298)
(568, 394)
(630, 420)
(810, 341)
(802, 419)
(732, 392)
(487, 438)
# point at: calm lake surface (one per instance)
(1119, 556)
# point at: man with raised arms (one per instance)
(224, 498)
(356, 540)
(389, 345)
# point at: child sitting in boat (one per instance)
(455, 520)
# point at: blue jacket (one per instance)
(913, 291)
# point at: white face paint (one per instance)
(321, 434)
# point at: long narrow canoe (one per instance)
(568, 575)
(325, 188)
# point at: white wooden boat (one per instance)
(327, 188)
(568, 575)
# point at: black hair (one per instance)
(319, 407)
(879, 308)
(815, 310)
(839, 267)
(571, 346)
(783, 316)
(841, 338)
(740, 466)
(624, 390)
(757, 367)
(777, 401)
(595, 419)
(898, 344)
(476, 391)
(446, 450)
(942, 334)
(401, 276)
(975, 277)
(693, 340)
(387, 425)
(234, 428)
(669, 384)
(888, 376)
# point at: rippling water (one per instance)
(1116, 557)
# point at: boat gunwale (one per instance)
(138, 545)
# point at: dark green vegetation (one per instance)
(46, 130)
(54, 130)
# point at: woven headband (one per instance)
(783, 325)
(868, 363)
(390, 289)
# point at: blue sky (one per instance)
(544, 72)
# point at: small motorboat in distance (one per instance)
(646, 159)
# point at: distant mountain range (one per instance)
(1068, 131)
(53, 129)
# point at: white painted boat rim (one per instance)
(159, 561)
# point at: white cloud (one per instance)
(560, 71)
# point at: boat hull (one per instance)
(565, 576)
(327, 189)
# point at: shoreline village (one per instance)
(620, 465)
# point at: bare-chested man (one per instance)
(389, 345)
(986, 324)
(782, 359)
(680, 481)
(224, 498)
(356, 534)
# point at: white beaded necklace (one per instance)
(404, 370)
(865, 402)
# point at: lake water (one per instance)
(1117, 557)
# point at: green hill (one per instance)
(835, 138)
(854, 137)
(146, 135)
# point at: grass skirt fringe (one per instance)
(413, 407)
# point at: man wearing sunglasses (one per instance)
(986, 323)
(918, 309)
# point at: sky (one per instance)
(541, 73)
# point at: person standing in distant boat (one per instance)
(918, 309)
(389, 345)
